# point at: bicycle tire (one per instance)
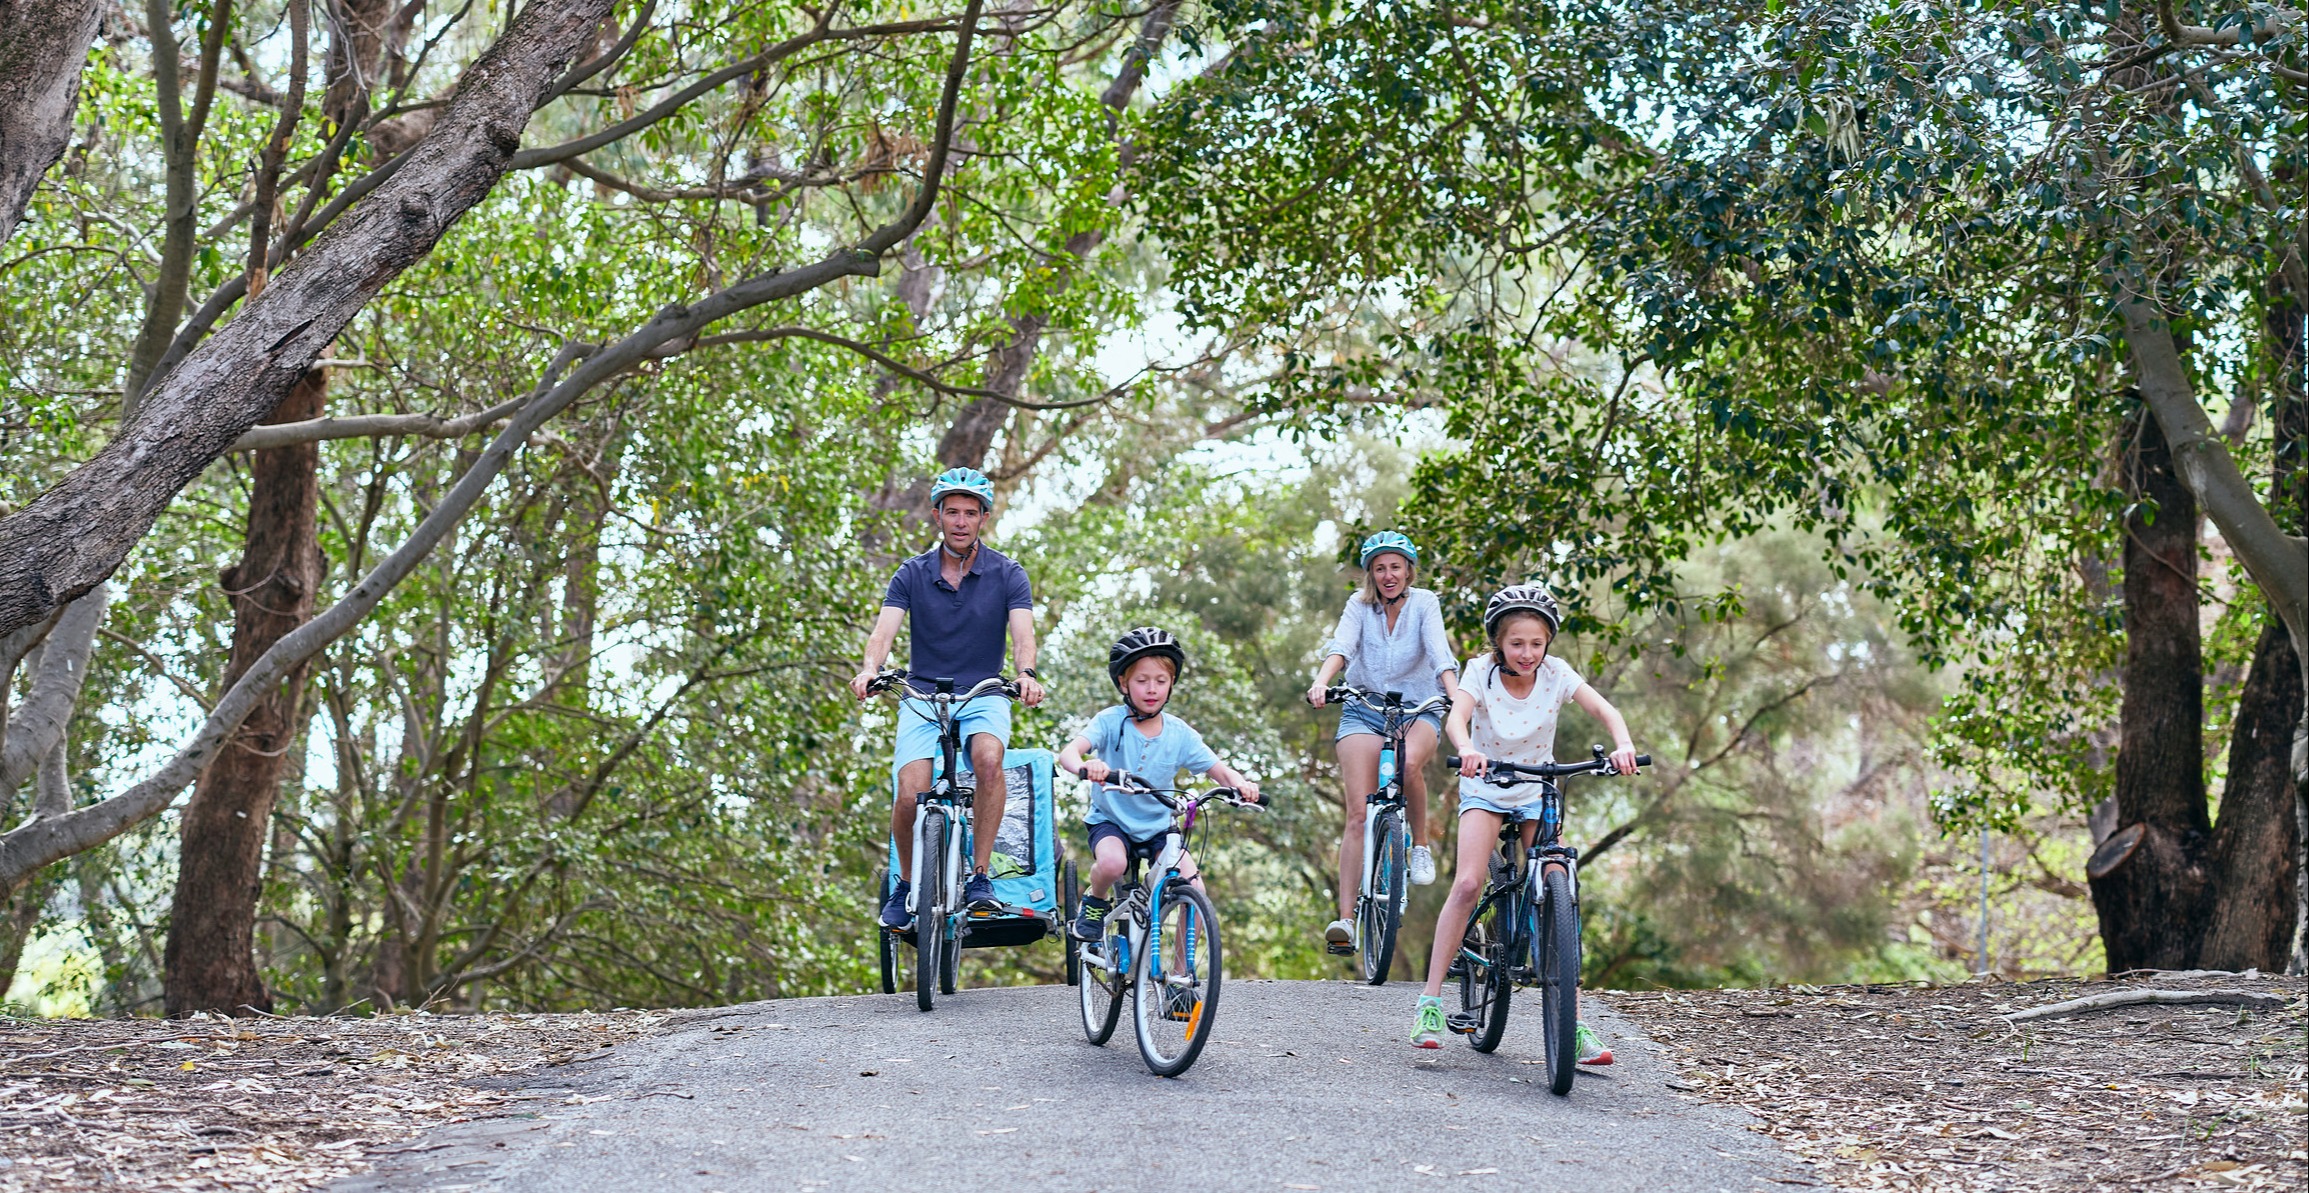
(1101, 988)
(929, 915)
(1485, 987)
(950, 963)
(1183, 913)
(1559, 979)
(1382, 910)
(885, 940)
(1068, 909)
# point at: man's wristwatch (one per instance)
(1029, 673)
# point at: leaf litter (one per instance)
(1926, 1087)
(260, 1104)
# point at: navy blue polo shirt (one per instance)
(958, 633)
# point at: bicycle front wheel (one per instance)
(1485, 984)
(1177, 992)
(1382, 911)
(1559, 979)
(1068, 909)
(1100, 981)
(929, 909)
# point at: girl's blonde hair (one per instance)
(1369, 593)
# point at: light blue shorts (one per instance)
(1475, 794)
(918, 727)
(1357, 718)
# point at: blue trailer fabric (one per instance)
(1025, 862)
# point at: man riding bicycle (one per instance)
(959, 598)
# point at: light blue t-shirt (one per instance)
(1157, 759)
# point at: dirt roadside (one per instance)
(264, 1104)
(1898, 1087)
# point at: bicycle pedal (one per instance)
(1462, 1023)
(1339, 950)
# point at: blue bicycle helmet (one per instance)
(1385, 541)
(963, 480)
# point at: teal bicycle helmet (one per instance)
(963, 480)
(1385, 541)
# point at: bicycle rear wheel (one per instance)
(1177, 992)
(929, 912)
(1559, 979)
(1484, 983)
(1102, 981)
(1382, 910)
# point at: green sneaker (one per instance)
(1429, 1033)
(1591, 1047)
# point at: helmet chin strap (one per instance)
(1137, 716)
(951, 553)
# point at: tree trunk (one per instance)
(43, 45)
(74, 535)
(2148, 880)
(210, 964)
(2251, 864)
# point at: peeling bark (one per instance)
(74, 535)
(43, 45)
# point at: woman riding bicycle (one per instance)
(1506, 711)
(1390, 639)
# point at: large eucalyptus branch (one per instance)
(43, 45)
(46, 839)
(74, 535)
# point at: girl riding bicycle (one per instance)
(1506, 711)
(1390, 639)
(1137, 736)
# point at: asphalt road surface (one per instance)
(1305, 1086)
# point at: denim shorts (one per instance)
(918, 727)
(1478, 795)
(1356, 717)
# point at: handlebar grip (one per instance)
(1452, 762)
(1643, 760)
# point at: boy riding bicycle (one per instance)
(1139, 737)
(959, 598)
(1505, 710)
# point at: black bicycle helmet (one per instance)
(1138, 644)
(1522, 598)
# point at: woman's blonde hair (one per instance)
(1369, 593)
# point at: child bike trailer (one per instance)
(1027, 865)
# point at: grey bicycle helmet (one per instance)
(1522, 598)
(1138, 644)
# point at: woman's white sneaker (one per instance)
(1422, 866)
(1340, 937)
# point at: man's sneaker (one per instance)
(1090, 922)
(979, 894)
(894, 913)
(1422, 866)
(1339, 937)
(1429, 1032)
(1591, 1048)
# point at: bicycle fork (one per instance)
(957, 837)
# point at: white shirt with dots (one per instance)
(1506, 729)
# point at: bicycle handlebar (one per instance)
(1178, 798)
(993, 684)
(1379, 702)
(1503, 774)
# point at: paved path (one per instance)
(1306, 1085)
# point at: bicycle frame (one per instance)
(1141, 902)
(945, 705)
(1396, 719)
